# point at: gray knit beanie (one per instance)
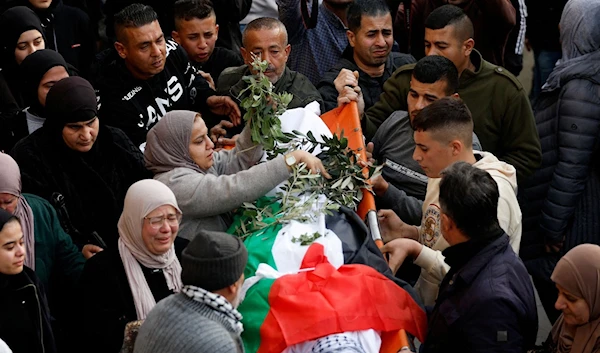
(213, 260)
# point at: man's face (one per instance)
(444, 42)
(270, 45)
(373, 41)
(432, 155)
(51, 76)
(143, 49)
(197, 37)
(82, 135)
(40, 4)
(421, 95)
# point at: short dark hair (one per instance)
(263, 23)
(447, 119)
(450, 15)
(133, 16)
(359, 8)
(431, 69)
(469, 196)
(189, 9)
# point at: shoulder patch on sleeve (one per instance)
(505, 73)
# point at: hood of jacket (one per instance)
(496, 168)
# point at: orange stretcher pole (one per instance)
(346, 119)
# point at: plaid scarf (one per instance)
(222, 306)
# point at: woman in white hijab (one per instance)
(124, 285)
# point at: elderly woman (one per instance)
(577, 278)
(90, 164)
(22, 34)
(122, 285)
(208, 184)
(561, 200)
(25, 319)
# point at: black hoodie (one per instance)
(135, 105)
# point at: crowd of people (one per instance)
(124, 157)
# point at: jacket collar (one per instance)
(477, 257)
(478, 62)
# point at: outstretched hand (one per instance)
(313, 163)
(345, 78)
(392, 227)
(218, 132)
(399, 250)
(349, 94)
(224, 105)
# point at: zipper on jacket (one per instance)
(37, 298)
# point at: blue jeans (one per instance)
(544, 64)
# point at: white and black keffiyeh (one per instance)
(337, 343)
(218, 302)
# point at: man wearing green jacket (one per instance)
(501, 111)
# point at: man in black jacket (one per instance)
(367, 61)
(486, 301)
(147, 76)
(196, 30)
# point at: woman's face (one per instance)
(8, 202)
(159, 229)
(29, 42)
(12, 248)
(51, 76)
(82, 135)
(576, 311)
(201, 146)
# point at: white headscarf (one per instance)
(142, 198)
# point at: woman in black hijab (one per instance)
(25, 319)
(22, 34)
(90, 164)
(68, 31)
(39, 72)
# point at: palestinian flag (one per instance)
(339, 283)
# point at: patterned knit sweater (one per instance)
(180, 324)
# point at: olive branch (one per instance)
(298, 197)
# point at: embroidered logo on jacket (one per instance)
(430, 227)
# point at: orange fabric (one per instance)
(317, 303)
(346, 119)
